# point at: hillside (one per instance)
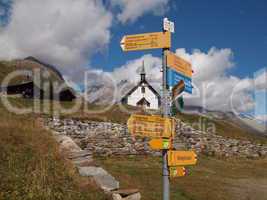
(22, 143)
(28, 64)
(31, 166)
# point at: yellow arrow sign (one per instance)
(159, 144)
(177, 158)
(146, 41)
(177, 172)
(179, 64)
(178, 89)
(151, 126)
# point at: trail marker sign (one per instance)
(177, 172)
(179, 64)
(160, 144)
(168, 25)
(178, 89)
(145, 41)
(151, 126)
(175, 77)
(178, 158)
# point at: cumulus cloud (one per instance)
(213, 88)
(261, 79)
(133, 9)
(63, 32)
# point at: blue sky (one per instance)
(226, 41)
(239, 25)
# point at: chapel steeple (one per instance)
(143, 73)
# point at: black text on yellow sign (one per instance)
(151, 126)
(181, 158)
(157, 40)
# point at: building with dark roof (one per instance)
(143, 94)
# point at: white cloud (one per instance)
(61, 32)
(133, 9)
(214, 89)
(261, 79)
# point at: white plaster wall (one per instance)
(137, 95)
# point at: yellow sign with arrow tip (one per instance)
(151, 126)
(179, 64)
(160, 144)
(178, 158)
(177, 172)
(178, 89)
(156, 40)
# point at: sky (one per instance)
(226, 41)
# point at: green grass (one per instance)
(31, 166)
(210, 179)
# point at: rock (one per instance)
(91, 171)
(116, 197)
(126, 192)
(79, 154)
(104, 180)
(83, 161)
(105, 139)
(136, 196)
(107, 182)
(68, 145)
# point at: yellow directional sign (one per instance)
(179, 64)
(178, 158)
(151, 126)
(177, 172)
(159, 144)
(178, 89)
(146, 41)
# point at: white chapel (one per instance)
(143, 94)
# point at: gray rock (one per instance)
(92, 171)
(136, 196)
(116, 197)
(106, 182)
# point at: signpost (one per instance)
(157, 40)
(181, 158)
(179, 64)
(177, 74)
(179, 70)
(168, 25)
(178, 89)
(177, 172)
(175, 77)
(151, 126)
(160, 144)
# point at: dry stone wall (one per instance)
(105, 138)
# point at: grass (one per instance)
(210, 179)
(31, 166)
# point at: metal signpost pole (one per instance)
(166, 113)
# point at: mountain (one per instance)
(244, 121)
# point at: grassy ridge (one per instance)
(31, 167)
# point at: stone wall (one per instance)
(105, 138)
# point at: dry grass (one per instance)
(31, 167)
(210, 179)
